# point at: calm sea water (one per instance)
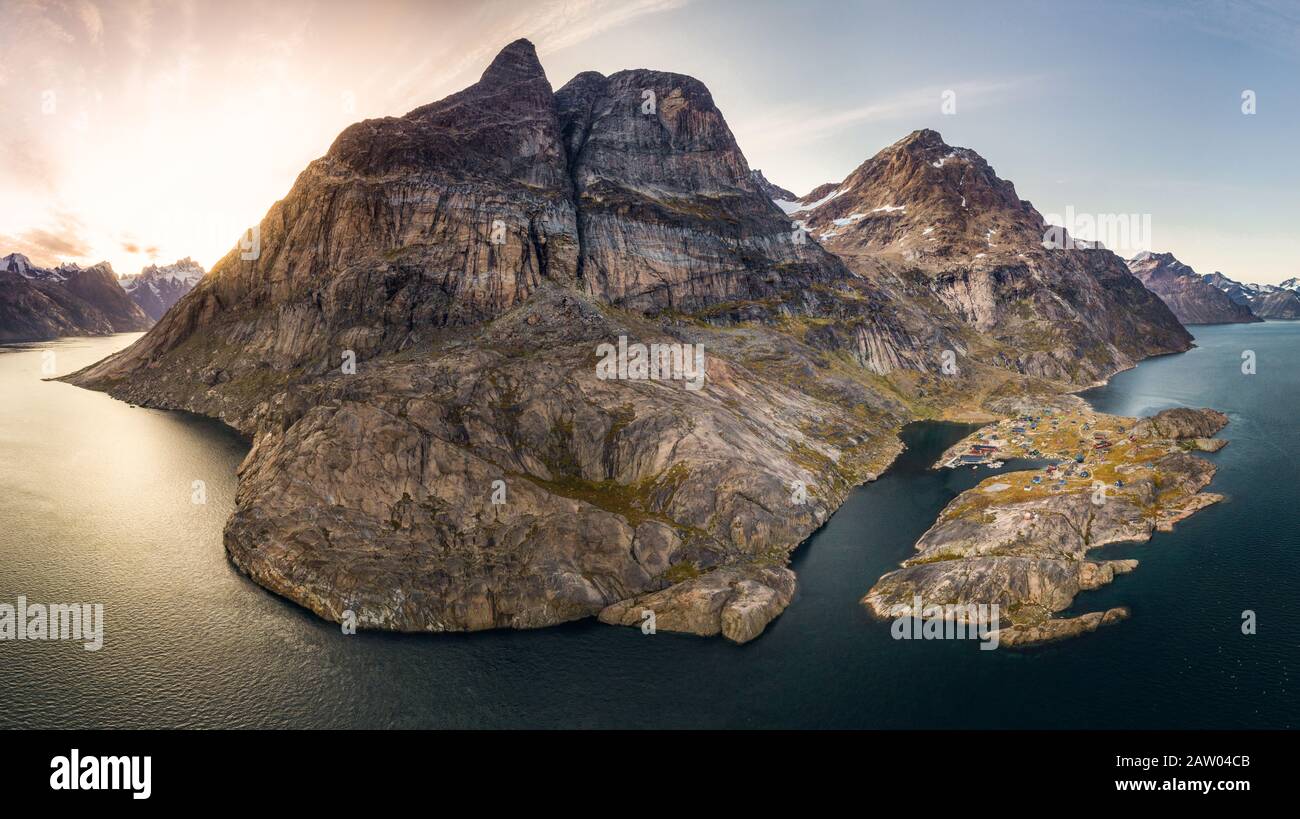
(96, 506)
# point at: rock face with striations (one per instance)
(670, 215)
(38, 303)
(473, 469)
(1189, 295)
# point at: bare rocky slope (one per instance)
(1277, 304)
(473, 471)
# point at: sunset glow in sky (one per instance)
(139, 131)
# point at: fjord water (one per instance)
(97, 505)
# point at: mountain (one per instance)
(773, 192)
(156, 289)
(961, 236)
(1267, 301)
(1193, 299)
(435, 354)
(1237, 291)
(1277, 304)
(39, 303)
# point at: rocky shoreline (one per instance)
(1020, 540)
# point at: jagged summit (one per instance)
(1268, 301)
(156, 288)
(922, 198)
(774, 192)
(515, 63)
(923, 138)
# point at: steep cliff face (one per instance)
(670, 215)
(38, 303)
(417, 340)
(952, 231)
(447, 216)
(1193, 299)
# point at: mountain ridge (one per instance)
(37, 303)
(1268, 301)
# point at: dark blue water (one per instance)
(95, 505)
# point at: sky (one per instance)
(142, 132)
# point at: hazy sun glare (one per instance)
(140, 132)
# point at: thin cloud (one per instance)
(91, 19)
(800, 126)
(551, 26)
(1269, 24)
(49, 245)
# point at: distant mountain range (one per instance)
(423, 331)
(38, 303)
(1193, 299)
(156, 289)
(1213, 298)
(1270, 301)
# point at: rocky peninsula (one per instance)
(1020, 540)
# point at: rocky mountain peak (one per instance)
(771, 191)
(472, 256)
(15, 263)
(923, 198)
(515, 63)
(1149, 265)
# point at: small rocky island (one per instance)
(1020, 540)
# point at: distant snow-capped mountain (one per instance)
(1193, 298)
(38, 303)
(156, 288)
(1270, 301)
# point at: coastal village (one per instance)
(1021, 540)
(1085, 450)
